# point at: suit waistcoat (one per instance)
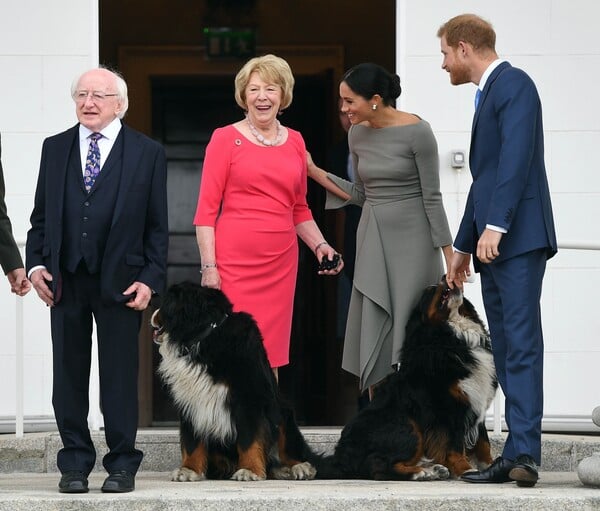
(87, 216)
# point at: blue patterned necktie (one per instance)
(477, 96)
(92, 162)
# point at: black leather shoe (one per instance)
(497, 472)
(73, 481)
(119, 481)
(525, 471)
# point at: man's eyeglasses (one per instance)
(81, 96)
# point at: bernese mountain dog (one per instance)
(233, 421)
(426, 420)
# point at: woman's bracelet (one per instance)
(320, 245)
(207, 266)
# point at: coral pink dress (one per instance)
(254, 196)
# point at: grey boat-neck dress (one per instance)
(401, 229)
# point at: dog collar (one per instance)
(206, 332)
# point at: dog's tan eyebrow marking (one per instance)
(432, 310)
(458, 393)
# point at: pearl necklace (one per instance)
(261, 138)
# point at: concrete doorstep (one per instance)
(29, 481)
(556, 491)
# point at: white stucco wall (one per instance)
(43, 45)
(557, 43)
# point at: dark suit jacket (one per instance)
(136, 247)
(510, 186)
(10, 258)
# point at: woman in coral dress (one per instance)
(252, 206)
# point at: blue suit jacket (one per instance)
(510, 186)
(136, 248)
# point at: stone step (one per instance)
(36, 452)
(555, 491)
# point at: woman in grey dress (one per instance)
(403, 230)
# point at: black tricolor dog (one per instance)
(233, 421)
(427, 419)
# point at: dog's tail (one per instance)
(295, 444)
(296, 447)
(329, 467)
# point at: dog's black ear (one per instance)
(427, 297)
(218, 300)
(188, 308)
(179, 309)
(418, 315)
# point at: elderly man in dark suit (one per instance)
(508, 226)
(10, 257)
(97, 249)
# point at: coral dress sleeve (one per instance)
(215, 172)
(302, 212)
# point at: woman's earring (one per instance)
(374, 107)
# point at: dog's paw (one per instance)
(303, 471)
(281, 472)
(432, 473)
(423, 475)
(440, 471)
(298, 472)
(184, 474)
(482, 465)
(243, 474)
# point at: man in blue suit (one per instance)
(508, 227)
(97, 250)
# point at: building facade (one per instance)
(44, 45)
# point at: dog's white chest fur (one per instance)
(479, 386)
(200, 400)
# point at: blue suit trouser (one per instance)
(511, 294)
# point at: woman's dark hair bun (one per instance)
(368, 79)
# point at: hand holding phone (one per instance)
(326, 264)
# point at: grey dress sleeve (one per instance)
(428, 166)
(356, 190)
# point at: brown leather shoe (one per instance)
(525, 471)
(497, 472)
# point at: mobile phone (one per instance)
(326, 264)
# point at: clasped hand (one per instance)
(19, 283)
(328, 252)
